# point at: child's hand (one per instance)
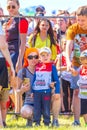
(55, 96)
(52, 84)
(74, 72)
(25, 87)
(32, 95)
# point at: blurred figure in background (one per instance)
(40, 11)
(73, 19)
(65, 77)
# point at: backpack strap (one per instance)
(23, 73)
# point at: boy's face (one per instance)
(82, 21)
(45, 57)
(83, 61)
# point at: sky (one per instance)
(70, 5)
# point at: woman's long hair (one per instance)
(49, 32)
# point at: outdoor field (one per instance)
(65, 122)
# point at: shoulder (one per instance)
(22, 20)
(21, 71)
(73, 27)
(72, 31)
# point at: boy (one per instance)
(82, 83)
(45, 74)
(76, 39)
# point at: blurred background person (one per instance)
(40, 11)
(65, 77)
(73, 19)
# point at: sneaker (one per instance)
(29, 123)
(55, 123)
(76, 123)
(46, 124)
(37, 124)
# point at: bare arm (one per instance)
(69, 47)
(74, 72)
(5, 52)
(58, 65)
(17, 83)
(3, 43)
(21, 51)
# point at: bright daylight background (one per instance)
(28, 6)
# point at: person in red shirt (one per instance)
(16, 31)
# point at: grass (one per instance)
(64, 121)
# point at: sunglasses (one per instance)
(11, 7)
(39, 10)
(30, 57)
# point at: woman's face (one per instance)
(12, 8)
(33, 59)
(62, 23)
(44, 26)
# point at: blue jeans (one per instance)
(74, 80)
(14, 57)
(42, 106)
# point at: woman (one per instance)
(31, 58)
(4, 55)
(16, 31)
(43, 37)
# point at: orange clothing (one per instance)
(27, 52)
(76, 33)
(73, 30)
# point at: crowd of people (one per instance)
(43, 61)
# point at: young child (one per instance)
(45, 74)
(65, 78)
(82, 83)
